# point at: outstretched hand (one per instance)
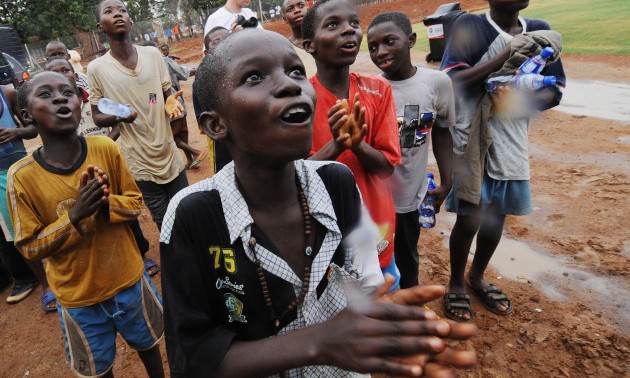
(392, 334)
(347, 123)
(172, 106)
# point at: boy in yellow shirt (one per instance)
(68, 210)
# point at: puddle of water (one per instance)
(517, 261)
(597, 99)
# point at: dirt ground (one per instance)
(570, 311)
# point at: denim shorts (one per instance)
(90, 332)
(508, 197)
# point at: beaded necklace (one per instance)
(308, 251)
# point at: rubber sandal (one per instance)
(195, 164)
(489, 298)
(450, 304)
(151, 267)
(48, 298)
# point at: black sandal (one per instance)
(489, 298)
(463, 303)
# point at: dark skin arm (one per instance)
(114, 133)
(11, 133)
(472, 77)
(107, 120)
(373, 160)
(384, 335)
(442, 142)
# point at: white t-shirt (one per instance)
(147, 143)
(421, 101)
(225, 18)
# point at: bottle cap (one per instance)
(549, 81)
(546, 52)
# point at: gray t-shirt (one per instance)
(421, 101)
(508, 157)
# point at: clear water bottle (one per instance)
(111, 107)
(6, 148)
(525, 82)
(536, 63)
(427, 207)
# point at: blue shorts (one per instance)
(393, 270)
(508, 197)
(90, 332)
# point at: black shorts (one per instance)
(157, 196)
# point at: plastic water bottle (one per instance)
(111, 107)
(6, 148)
(427, 207)
(525, 82)
(535, 64)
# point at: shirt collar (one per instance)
(238, 218)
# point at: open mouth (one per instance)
(120, 23)
(349, 47)
(64, 112)
(297, 114)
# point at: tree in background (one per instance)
(48, 19)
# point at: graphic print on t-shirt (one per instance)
(414, 126)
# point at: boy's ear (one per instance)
(26, 117)
(308, 46)
(98, 26)
(212, 125)
(412, 40)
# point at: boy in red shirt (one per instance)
(332, 35)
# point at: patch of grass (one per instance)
(587, 26)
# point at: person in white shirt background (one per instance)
(227, 14)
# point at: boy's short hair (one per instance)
(206, 42)
(210, 74)
(399, 19)
(25, 89)
(55, 59)
(310, 18)
(163, 45)
(97, 9)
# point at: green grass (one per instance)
(587, 26)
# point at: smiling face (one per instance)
(53, 105)
(337, 34)
(389, 47)
(293, 12)
(266, 104)
(114, 18)
(165, 50)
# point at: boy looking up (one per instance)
(293, 12)
(137, 75)
(263, 248)
(332, 34)
(57, 49)
(78, 221)
(424, 99)
(478, 47)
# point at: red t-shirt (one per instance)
(375, 94)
